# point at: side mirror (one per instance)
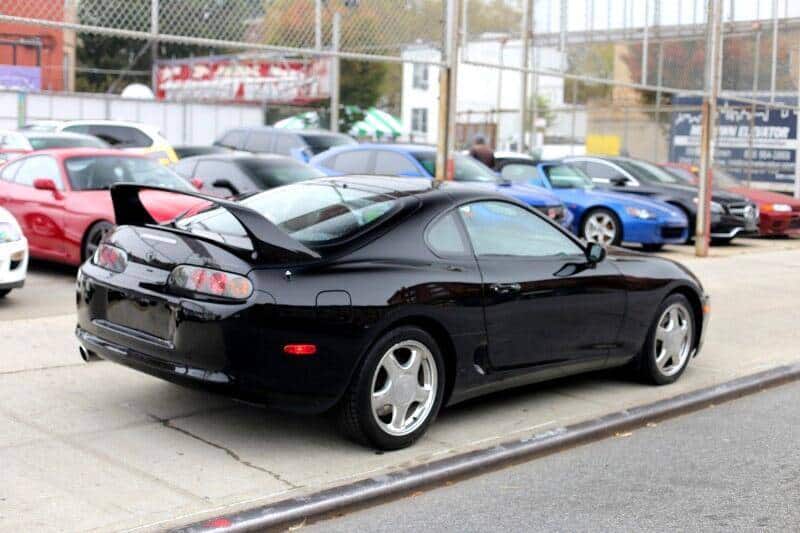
(619, 181)
(226, 184)
(47, 184)
(197, 183)
(595, 253)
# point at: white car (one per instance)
(135, 137)
(13, 254)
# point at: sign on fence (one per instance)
(764, 140)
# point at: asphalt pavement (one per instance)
(731, 467)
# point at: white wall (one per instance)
(179, 122)
(478, 86)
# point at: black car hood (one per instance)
(723, 197)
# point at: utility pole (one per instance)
(797, 134)
(524, 74)
(318, 25)
(337, 21)
(448, 76)
(774, 51)
(709, 121)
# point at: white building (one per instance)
(481, 91)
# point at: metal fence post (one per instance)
(524, 74)
(335, 66)
(22, 108)
(318, 25)
(797, 133)
(774, 51)
(448, 76)
(154, 43)
(708, 136)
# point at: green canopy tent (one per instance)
(375, 123)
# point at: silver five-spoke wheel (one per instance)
(601, 227)
(404, 387)
(673, 339)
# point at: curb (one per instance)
(294, 510)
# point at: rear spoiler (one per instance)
(269, 241)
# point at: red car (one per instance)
(61, 197)
(779, 213)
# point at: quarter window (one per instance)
(500, 229)
(445, 239)
(232, 139)
(394, 164)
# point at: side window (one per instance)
(356, 162)
(394, 164)
(500, 229)
(8, 171)
(184, 168)
(284, 143)
(233, 139)
(39, 167)
(259, 142)
(521, 173)
(78, 128)
(602, 172)
(210, 171)
(445, 239)
(121, 136)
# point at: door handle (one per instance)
(506, 288)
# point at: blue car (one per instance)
(409, 160)
(605, 217)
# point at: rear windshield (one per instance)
(319, 143)
(268, 174)
(47, 142)
(101, 172)
(313, 213)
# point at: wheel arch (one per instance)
(86, 232)
(697, 307)
(590, 209)
(439, 333)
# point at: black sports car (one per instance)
(731, 214)
(382, 298)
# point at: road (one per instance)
(732, 467)
(99, 446)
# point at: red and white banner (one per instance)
(241, 79)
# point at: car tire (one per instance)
(94, 235)
(408, 411)
(608, 219)
(4, 292)
(652, 247)
(666, 352)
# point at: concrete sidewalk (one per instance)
(100, 447)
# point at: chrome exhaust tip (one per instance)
(86, 355)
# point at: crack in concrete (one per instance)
(38, 369)
(166, 422)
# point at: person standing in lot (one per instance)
(481, 151)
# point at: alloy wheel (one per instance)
(601, 228)
(404, 387)
(673, 341)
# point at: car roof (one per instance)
(66, 153)
(55, 134)
(288, 131)
(240, 156)
(147, 128)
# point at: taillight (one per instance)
(110, 257)
(210, 282)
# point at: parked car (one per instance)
(731, 214)
(13, 254)
(419, 161)
(779, 213)
(385, 299)
(62, 202)
(194, 150)
(16, 143)
(299, 144)
(601, 216)
(134, 137)
(242, 173)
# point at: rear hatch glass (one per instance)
(314, 213)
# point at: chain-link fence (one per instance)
(564, 77)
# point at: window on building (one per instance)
(420, 77)
(419, 120)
